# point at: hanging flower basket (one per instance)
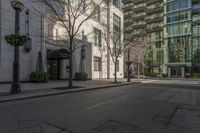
(16, 40)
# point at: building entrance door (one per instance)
(53, 69)
(55, 63)
(176, 72)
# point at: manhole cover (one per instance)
(117, 127)
(187, 118)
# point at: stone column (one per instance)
(182, 72)
(169, 72)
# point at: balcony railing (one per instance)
(155, 10)
(156, 19)
(195, 1)
(196, 11)
(154, 29)
(153, 1)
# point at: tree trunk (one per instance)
(138, 71)
(70, 71)
(115, 72)
(108, 38)
(71, 65)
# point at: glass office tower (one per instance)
(181, 36)
(178, 36)
(173, 33)
(154, 19)
(195, 37)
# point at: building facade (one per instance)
(46, 34)
(172, 28)
(134, 17)
(157, 51)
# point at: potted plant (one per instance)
(39, 77)
(16, 40)
(81, 76)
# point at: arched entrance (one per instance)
(56, 63)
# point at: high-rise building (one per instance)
(154, 30)
(172, 30)
(134, 17)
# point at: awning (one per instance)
(58, 54)
(180, 64)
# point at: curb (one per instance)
(180, 86)
(16, 97)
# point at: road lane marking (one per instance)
(106, 102)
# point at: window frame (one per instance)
(97, 60)
(99, 41)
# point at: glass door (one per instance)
(53, 69)
(176, 72)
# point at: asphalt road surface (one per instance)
(139, 108)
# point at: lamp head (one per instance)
(17, 5)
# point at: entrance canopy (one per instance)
(59, 54)
(181, 64)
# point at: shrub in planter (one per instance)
(187, 75)
(152, 74)
(40, 77)
(164, 75)
(196, 75)
(81, 76)
(16, 40)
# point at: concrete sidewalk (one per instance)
(5, 88)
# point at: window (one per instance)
(116, 22)
(178, 29)
(96, 12)
(117, 3)
(178, 5)
(116, 31)
(81, 4)
(49, 32)
(179, 49)
(97, 37)
(56, 33)
(97, 63)
(178, 17)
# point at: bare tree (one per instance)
(119, 45)
(137, 55)
(72, 14)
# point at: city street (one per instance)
(100, 66)
(137, 108)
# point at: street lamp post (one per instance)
(18, 6)
(83, 51)
(128, 69)
(82, 57)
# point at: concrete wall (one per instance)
(115, 10)
(87, 62)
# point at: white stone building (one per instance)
(45, 36)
